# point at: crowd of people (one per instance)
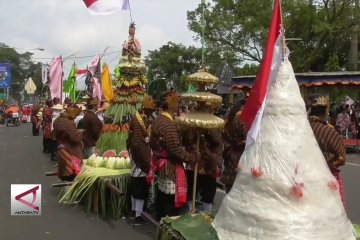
(345, 118)
(158, 149)
(22, 112)
(70, 126)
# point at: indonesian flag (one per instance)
(81, 75)
(254, 107)
(103, 7)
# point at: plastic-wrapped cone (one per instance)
(283, 189)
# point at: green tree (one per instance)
(240, 27)
(22, 67)
(174, 62)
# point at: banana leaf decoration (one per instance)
(117, 72)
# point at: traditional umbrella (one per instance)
(201, 119)
(202, 76)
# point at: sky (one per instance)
(66, 27)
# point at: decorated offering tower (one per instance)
(109, 167)
(130, 80)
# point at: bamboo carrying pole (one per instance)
(193, 210)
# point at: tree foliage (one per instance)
(240, 27)
(22, 67)
(174, 62)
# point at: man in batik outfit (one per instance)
(92, 127)
(234, 143)
(168, 158)
(140, 152)
(329, 140)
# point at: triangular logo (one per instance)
(33, 191)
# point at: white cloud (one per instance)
(65, 26)
(151, 36)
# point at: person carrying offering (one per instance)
(210, 164)
(168, 158)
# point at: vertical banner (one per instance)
(5, 75)
(106, 83)
(55, 73)
(44, 73)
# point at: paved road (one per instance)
(351, 178)
(22, 162)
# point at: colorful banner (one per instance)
(5, 75)
(55, 74)
(106, 83)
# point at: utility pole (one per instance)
(354, 51)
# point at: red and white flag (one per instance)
(81, 75)
(103, 7)
(253, 110)
(94, 65)
(55, 74)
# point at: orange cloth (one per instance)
(12, 109)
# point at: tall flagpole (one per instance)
(131, 19)
(61, 85)
(203, 34)
(282, 29)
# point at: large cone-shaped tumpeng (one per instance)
(284, 189)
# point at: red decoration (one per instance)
(257, 172)
(333, 185)
(297, 190)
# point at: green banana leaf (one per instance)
(187, 226)
(357, 230)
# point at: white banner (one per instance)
(44, 73)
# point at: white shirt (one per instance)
(78, 118)
(55, 115)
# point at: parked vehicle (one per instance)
(12, 115)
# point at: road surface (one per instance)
(22, 162)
